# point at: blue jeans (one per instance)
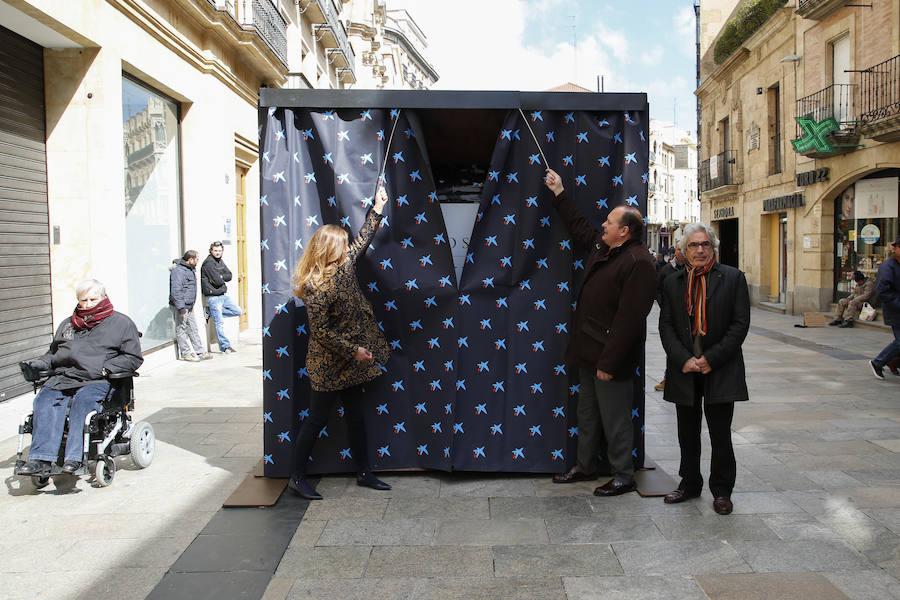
(220, 307)
(891, 351)
(50, 419)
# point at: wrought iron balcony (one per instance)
(330, 32)
(718, 171)
(836, 101)
(271, 27)
(818, 9)
(880, 101)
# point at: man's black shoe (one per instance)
(722, 505)
(877, 371)
(70, 466)
(34, 467)
(301, 486)
(367, 479)
(679, 495)
(614, 487)
(573, 475)
(835, 322)
(846, 324)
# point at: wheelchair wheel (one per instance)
(143, 444)
(104, 471)
(40, 481)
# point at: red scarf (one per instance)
(695, 296)
(88, 318)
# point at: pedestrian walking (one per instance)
(887, 286)
(214, 275)
(346, 347)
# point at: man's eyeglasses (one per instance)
(705, 245)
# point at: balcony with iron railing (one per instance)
(818, 9)
(880, 101)
(836, 101)
(330, 32)
(261, 16)
(717, 174)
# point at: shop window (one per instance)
(152, 207)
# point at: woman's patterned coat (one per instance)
(341, 320)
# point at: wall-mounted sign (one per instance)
(782, 202)
(870, 234)
(876, 198)
(812, 177)
(815, 134)
(726, 212)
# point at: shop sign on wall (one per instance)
(876, 198)
(726, 212)
(782, 202)
(812, 177)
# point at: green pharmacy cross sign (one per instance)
(815, 134)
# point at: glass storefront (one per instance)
(152, 207)
(866, 222)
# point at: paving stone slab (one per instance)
(796, 527)
(829, 479)
(678, 558)
(347, 508)
(865, 585)
(737, 527)
(491, 532)
(488, 486)
(308, 533)
(601, 530)
(782, 478)
(451, 507)
(430, 561)
(396, 532)
(540, 508)
(459, 588)
(632, 588)
(555, 560)
(768, 586)
(752, 503)
(889, 517)
(633, 504)
(329, 562)
(240, 585)
(804, 555)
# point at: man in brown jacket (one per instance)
(848, 308)
(608, 333)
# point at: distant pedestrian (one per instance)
(182, 297)
(346, 347)
(671, 267)
(704, 320)
(213, 277)
(848, 308)
(888, 288)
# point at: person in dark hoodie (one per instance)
(93, 342)
(213, 277)
(182, 296)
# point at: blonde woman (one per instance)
(345, 347)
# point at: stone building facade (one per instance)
(803, 202)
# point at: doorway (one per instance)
(728, 242)
(782, 257)
(240, 205)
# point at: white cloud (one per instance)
(652, 56)
(686, 30)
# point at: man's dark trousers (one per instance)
(605, 406)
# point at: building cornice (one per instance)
(261, 59)
(400, 37)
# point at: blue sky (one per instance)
(638, 46)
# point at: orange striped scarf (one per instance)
(695, 296)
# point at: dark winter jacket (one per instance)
(182, 286)
(669, 268)
(213, 275)
(340, 321)
(79, 357)
(888, 288)
(610, 323)
(727, 319)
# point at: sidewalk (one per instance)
(817, 502)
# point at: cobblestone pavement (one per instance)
(817, 501)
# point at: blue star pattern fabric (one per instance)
(476, 379)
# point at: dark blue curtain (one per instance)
(476, 379)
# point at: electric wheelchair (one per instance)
(108, 432)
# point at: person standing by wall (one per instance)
(182, 296)
(213, 277)
(346, 347)
(888, 288)
(704, 319)
(608, 333)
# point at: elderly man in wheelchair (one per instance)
(92, 353)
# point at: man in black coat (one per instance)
(214, 275)
(888, 288)
(93, 342)
(704, 319)
(608, 333)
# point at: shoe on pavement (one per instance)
(229, 350)
(835, 322)
(876, 370)
(614, 487)
(301, 486)
(70, 466)
(367, 479)
(723, 505)
(679, 495)
(660, 386)
(206, 356)
(573, 475)
(846, 324)
(191, 358)
(34, 467)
